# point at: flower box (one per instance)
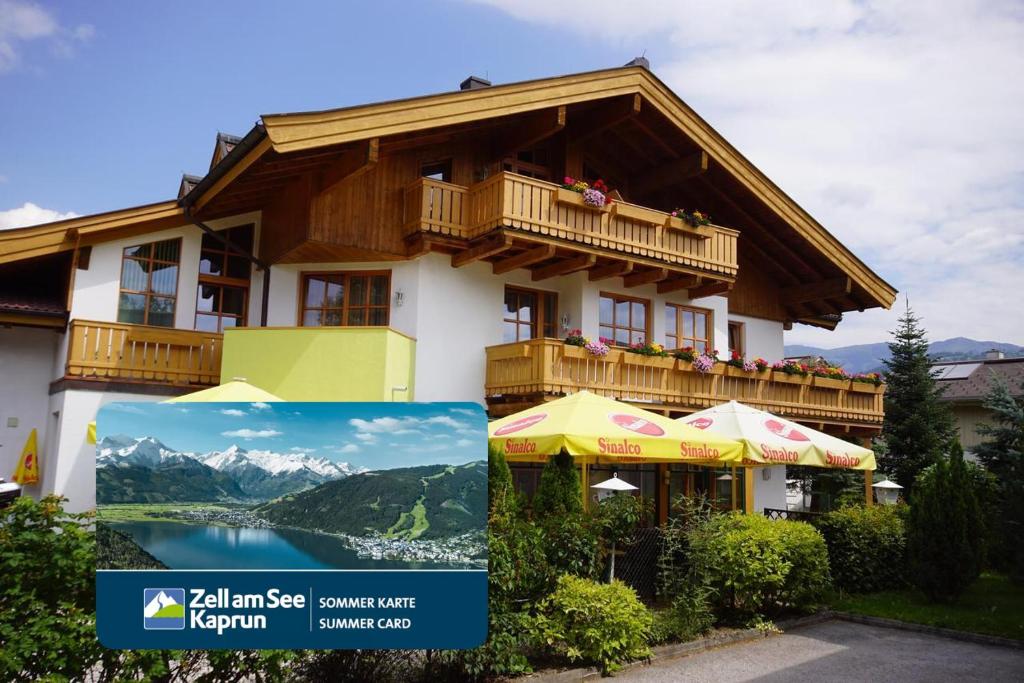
(718, 369)
(573, 198)
(674, 223)
(641, 214)
(570, 351)
(630, 358)
(782, 377)
(731, 371)
(866, 388)
(667, 362)
(684, 365)
(830, 383)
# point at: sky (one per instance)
(372, 435)
(897, 125)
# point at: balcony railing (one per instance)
(527, 370)
(138, 353)
(535, 207)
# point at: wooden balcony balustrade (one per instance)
(139, 353)
(525, 372)
(527, 208)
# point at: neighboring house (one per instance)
(965, 385)
(423, 249)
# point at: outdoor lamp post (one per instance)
(887, 492)
(613, 486)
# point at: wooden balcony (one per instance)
(142, 354)
(524, 373)
(532, 210)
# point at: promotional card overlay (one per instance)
(291, 525)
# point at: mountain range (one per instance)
(869, 357)
(144, 470)
(429, 501)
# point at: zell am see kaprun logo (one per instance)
(164, 609)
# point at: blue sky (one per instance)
(372, 435)
(897, 125)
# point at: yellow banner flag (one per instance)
(28, 466)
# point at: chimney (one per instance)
(994, 354)
(474, 83)
(639, 61)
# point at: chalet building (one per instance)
(424, 249)
(966, 384)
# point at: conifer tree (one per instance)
(558, 491)
(918, 427)
(499, 478)
(945, 532)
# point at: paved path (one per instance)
(843, 651)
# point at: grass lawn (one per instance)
(992, 606)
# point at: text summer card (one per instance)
(291, 525)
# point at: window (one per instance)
(623, 319)
(532, 163)
(686, 326)
(437, 170)
(529, 314)
(736, 338)
(222, 298)
(359, 298)
(149, 283)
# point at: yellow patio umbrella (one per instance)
(596, 429)
(235, 391)
(771, 440)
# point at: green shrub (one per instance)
(600, 623)
(755, 566)
(572, 544)
(866, 548)
(688, 616)
(945, 531)
(558, 490)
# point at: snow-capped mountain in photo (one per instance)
(258, 474)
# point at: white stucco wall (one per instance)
(26, 362)
(770, 493)
(762, 338)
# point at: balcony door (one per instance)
(529, 314)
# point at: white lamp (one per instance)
(614, 484)
(887, 492)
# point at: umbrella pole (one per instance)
(733, 485)
(868, 498)
(583, 480)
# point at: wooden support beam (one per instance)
(616, 269)
(816, 291)
(352, 163)
(667, 286)
(527, 258)
(480, 250)
(602, 117)
(869, 499)
(670, 173)
(538, 127)
(710, 289)
(645, 277)
(564, 267)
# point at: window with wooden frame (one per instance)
(534, 162)
(437, 170)
(624, 319)
(346, 299)
(737, 338)
(688, 326)
(222, 299)
(149, 283)
(529, 314)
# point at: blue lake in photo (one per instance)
(197, 546)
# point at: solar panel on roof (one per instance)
(958, 371)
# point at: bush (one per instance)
(866, 548)
(600, 623)
(945, 531)
(688, 616)
(558, 491)
(572, 544)
(755, 566)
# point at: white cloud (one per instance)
(304, 451)
(897, 125)
(22, 22)
(259, 405)
(446, 421)
(366, 437)
(349, 448)
(463, 443)
(125, 408)
(465, 411)
(28, 213)
(233, 412)
(252, 433)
